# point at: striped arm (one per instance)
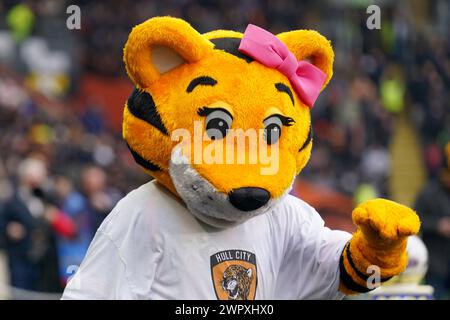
(358, 256)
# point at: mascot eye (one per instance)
(218, 122)
(272, 129)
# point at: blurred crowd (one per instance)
(62, 171)
(60, 175)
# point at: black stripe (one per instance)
(203, 80)
(286, 121)
(308, 139)
(141, 105)
(347, 279)
(231, 46)
(143, 162)
(284, 88)
(205, 111)
(359, 273)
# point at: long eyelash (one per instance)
(205, 111)
(286, 121)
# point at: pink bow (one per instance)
(306, 79)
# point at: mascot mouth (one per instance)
(212, 206)
(231, 287)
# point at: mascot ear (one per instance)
(159, 45)
(311, 46)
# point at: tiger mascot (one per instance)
(222, 122)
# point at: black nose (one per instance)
(248, 198)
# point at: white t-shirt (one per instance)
(152, 247)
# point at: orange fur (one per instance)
(248, 88)
(381, 238)
(248, 92)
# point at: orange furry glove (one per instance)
(380, 242)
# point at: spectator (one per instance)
(433, 205)
(72, 247)
(18, 225)
(100, 199)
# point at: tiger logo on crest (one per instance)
(236, 281)
(234, 274)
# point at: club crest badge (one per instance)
(234, 275)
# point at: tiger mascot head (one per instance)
(236, 282)
(219, 127)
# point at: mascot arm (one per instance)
(379, 245)
(102, 274)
